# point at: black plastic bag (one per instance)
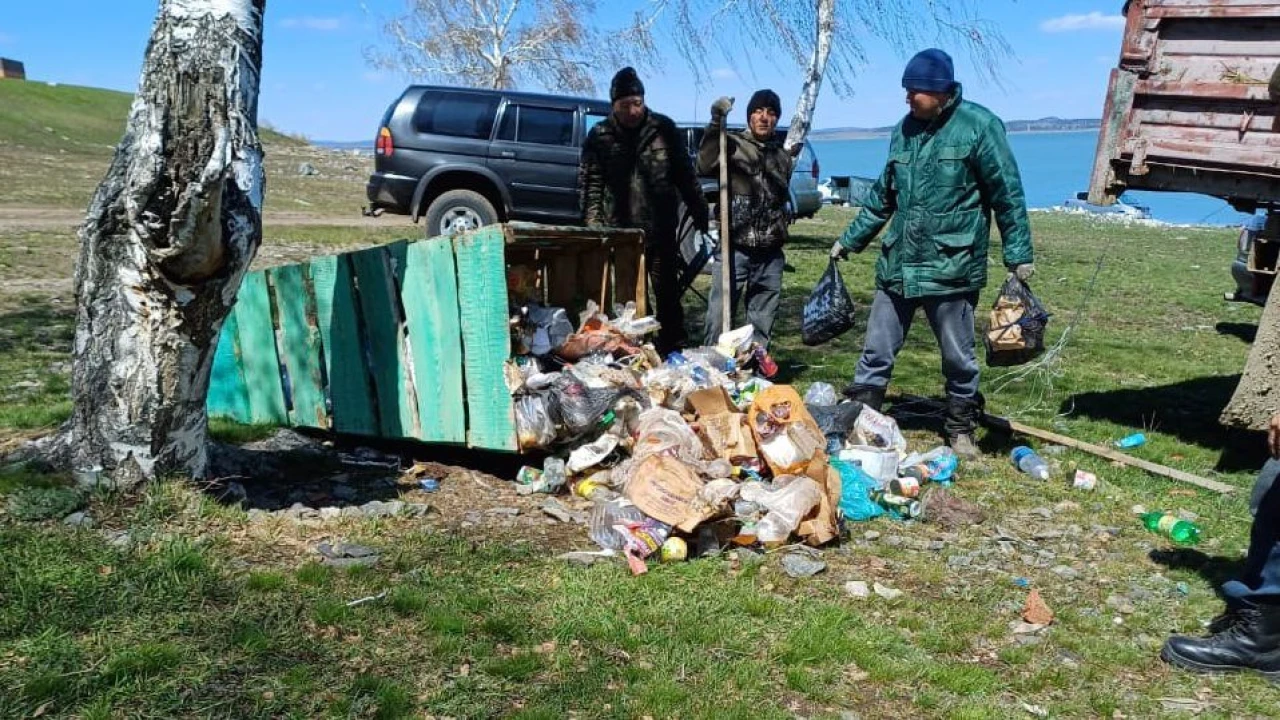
(1015, 333)
(828, 313)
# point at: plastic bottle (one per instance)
(1182, 532)
(1026, 460)
(604, 516)
(554, 473)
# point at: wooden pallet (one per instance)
(406, 340)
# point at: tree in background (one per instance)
(505, 44)
(169, 235)
(826, 38)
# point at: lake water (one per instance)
(1055, 166)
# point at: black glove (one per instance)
(701, 215)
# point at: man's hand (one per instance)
(839, 252)
(721, 107)
(1273, 436)
(1024, 271)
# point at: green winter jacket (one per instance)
(942, 183)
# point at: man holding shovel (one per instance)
(759, 172)
(950, 170)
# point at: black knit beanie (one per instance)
(625, 84)
(764, 99)
(931, 71)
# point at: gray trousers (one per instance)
(950, 316)
(757, 274)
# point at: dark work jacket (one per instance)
(759, 185)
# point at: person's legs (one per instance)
(888, 322)
(763, 291)
(666, 293)
(715, 309)
(1250, 639)
(951, 318)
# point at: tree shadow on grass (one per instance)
(1187, 410)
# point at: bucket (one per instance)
(879, 463)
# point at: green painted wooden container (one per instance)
(406, 340)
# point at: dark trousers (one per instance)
(950, 316)
(664, 288)
(757, 279)
(1260, 582)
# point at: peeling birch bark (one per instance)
(803, 118)
(168, 237)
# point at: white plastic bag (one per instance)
(879, 431)
(788, 500)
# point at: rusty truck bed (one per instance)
(1188, 108)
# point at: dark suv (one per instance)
(464, 158)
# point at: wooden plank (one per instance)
(562, 280)
(379, 308)
(300, 346)
(429, 291)
(486, 340)
(1109, 454)
(228, 396)
(350, 391)
(629, 277)
(593, 280)
(258, 357)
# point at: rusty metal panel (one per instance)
(1188, 106)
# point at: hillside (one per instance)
(57, 140)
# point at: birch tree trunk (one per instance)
(168, 237)
(803, 118)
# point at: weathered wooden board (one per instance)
(228, 396)
(258, 358)
(482, 298)
(300, 349)
(350, 391)
(379, 309)
(429, 290)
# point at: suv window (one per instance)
(537, 125)
(457, 114)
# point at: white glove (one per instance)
(1025, 271)
(839, 252)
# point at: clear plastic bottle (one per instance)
(554, 473)
(1182, 532)
(1026, 460)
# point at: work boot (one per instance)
(869, 395)
(964, 446)
(1251, 643)
(960, 424)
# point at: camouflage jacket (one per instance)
(759, 185)
(637, 178)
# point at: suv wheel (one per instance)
(458, 211)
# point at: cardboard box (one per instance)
(664, 488)
(722, 427)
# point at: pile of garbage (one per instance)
(684, 456)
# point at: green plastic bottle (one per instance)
(1182, 532)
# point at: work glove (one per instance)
(720, 108)
(839, 252)
(1024, 271)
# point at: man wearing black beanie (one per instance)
(635, 171)
(759, 212)
(949, 173)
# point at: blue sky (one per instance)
(316, 80)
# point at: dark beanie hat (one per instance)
(930, 70)
(764, 99)
(625, 84)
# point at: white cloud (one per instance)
(375, 77)
(724, 73)
(1093, 21)
(322, 24)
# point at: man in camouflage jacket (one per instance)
(635, 172)
(759, 211)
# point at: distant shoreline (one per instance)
(820, 136)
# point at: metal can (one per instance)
(905, 486)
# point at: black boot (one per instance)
(869, 395)
(961, 423)
(1252, 642)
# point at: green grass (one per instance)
(211, 616)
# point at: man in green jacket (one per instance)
(949, 171)
(634, 173)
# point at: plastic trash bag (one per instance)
(575, 406)
(787, 501)
(663, 432)
(828, 313)
(836, 421)
(877, 430)
(855, 492)
(534, 426)
(1015, 331)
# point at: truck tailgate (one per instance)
(1188, 108)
